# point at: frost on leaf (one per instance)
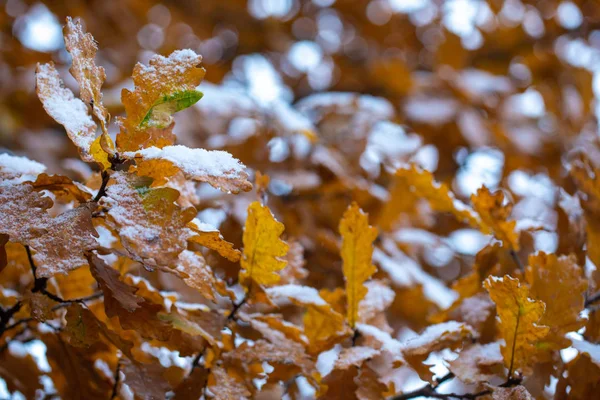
(226, 384)
(511, 393)
(151, 226)
(478, 363)
(60, 103)
(518, 317)
(219, 168)
(356, 252)
(22, 210)
(262, 247)
(66, 239)
(560, 284)
(494, 216)
(164, 87)
(196, 273)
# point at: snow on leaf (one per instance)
(152, 228)
(212, 239)
(226, 384)
(60, 103)
(478, 363)
(22, 210)
(560, 284)
(447, 335)
(62, 243)
(194, 271)
(378, 298)
(164, 87)
(262, 247)
(511, 393)
(356, 252)
(15, 169)
(219, 168)
(354, 356)
(518, 317)
(494, 215)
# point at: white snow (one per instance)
(591, 349)
(66, 109)
(15, 169)
(302, 294)
(433, 333)
(211, 166)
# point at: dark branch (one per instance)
(102, 191)
(429, 390)
(115, 390)
(515, 257)
(592, 299)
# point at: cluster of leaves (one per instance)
(132, 294)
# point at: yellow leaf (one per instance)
(99, 154)
(262, 247)
(494, 215)
(323, 327)
(422, 184)
(519, 316)
(357, 249)
(212, 239)
(560, 284)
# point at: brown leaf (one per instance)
(64, 241)
(158, 84)
(478, 363)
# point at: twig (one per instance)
(66, 303)
(429, 390)
(515, 257)
(102, 191)
(592, 299)
(235, 309)
(115, 389)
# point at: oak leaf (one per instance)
(60, 103)
(560, 284)
(218, 168)
(162, 88)
(152, 228)
(262, 247)
(518, 317)
(478, 363)
(211, 238)
(494, 216)
(357, 249)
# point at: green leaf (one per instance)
(160, 113)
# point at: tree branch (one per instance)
(429, 390)
(102, 191)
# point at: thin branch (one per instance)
(235, 309)
(514, 345)
(429, 390)
(592, 299)
(515, 257)
(115, 390)
(102, 191)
